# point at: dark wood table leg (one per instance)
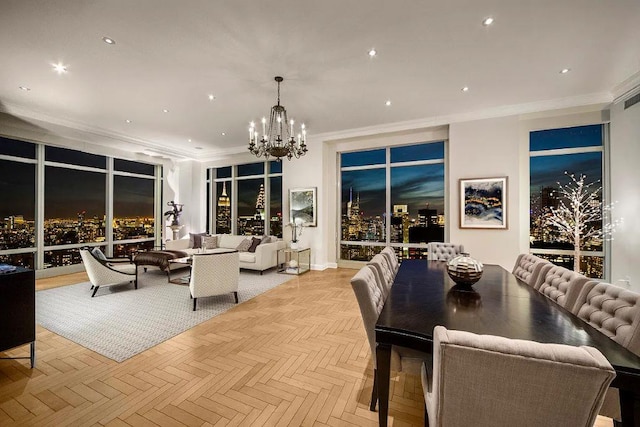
(383, 368)
(630, 408)
(32, 354)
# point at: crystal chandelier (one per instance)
(278, 140)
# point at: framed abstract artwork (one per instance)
(483, 203)
(303, 206)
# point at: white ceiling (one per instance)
(172, 54)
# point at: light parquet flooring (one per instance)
(294, 356)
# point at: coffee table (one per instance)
(180, 263)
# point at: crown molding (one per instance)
(25, 113)
(489, 113)
(627, 88)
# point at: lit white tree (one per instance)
(581, 216)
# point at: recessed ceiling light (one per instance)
(565, 70)
(211, 97)
(189, 140)
(59, 68)
(26, 89)
(128, 121)
(223, 134)
(388, 102)
(465, 89)
(487, 21)
(108, 40)
(198, 148)
(165, 111)
(372, 53)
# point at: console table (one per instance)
(18, 311)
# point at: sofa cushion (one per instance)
(254, 244)
(195, 240)
(209, 242)
(98, 254)
(266, 239)
(244, 246)
(248, 257)
(229, 241)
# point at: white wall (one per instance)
(483, 149)
(625, 190)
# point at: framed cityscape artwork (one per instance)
(303, 206)
(483, 203)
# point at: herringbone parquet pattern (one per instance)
(297, 355)
(294, 356)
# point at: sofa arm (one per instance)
(267, 254)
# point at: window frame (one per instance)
(406, 248)
(606, 193)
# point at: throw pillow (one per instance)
(265, 239)
(195, 240)
(254, 244)
(210, 242)
(98, 254)
(244, 245)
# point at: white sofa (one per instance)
(264, 258)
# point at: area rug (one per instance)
(120, 322)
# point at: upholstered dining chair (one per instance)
(370, 300)
(214, 274)
(102, 273)
(383, 272)
(562, 286)
(615, 312)
(529, 268)
(438, 251)
(485, 380)
(392, 258)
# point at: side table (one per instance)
(294, 261)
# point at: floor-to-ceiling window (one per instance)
(18, 207)
(58, 200)
(557, 157)
(134, 204)
(392, 196)
(247, 199)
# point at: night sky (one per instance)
(415, 186)
(547, 171)
(18, 187)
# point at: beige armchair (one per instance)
(214, 274)
(103, 273)
(484, 380)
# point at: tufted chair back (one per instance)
(391, 258)
(370, 299)
(530, 269)
(615, 312)
(380, 263)
(563, 286)
(438, 251)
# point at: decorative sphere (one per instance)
(464, 270)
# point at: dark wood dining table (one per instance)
(423, 296)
